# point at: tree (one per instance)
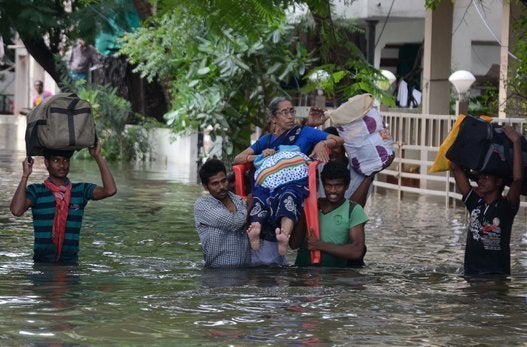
(47, 28)
(338, 56)
(221, 80)
(225, 60)
(516, 84)
(40, 25)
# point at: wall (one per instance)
(474, 47)
(468, 27)
(398, 33)
(7, 91)
(12, 132)
(27, 72)
(362, 9)
(171, 156)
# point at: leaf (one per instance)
(203, 70)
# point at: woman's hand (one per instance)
(268, 151)
(321, 152)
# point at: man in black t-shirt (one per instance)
(487, 250)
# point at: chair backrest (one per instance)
(239, 178)
(310, 203)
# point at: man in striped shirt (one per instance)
(58, 205)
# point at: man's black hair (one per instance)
(332, 131)
(48, 153)
(474, 176)
(335, 170)
(210, 168)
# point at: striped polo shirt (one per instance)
(43, 210)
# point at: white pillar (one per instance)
(437, 59)
(504, 59)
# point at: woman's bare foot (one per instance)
(283, 241)
(254, 235)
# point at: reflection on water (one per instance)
(140, 280)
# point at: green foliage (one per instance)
(223, 61)
(220, 80)
(241, 16)
(346, 81)
(31, 18)
(58, 20)
(111, 114)
(432, 4)
(349, 72)
(517, 84)
(485, 104)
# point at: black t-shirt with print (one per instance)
(487, 249)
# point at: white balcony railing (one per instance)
(417, 139)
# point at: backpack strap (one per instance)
(359, 262)
(352, 206)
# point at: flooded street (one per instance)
(140, 279)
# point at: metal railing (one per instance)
(417, 138)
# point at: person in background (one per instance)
(487, 249)
(341, 223)
(58, 205)
(41, 94)
(221, 219)
(81, 58)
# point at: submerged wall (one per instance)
(175, 155)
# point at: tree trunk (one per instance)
(146, 98)
(43, 56)
(143, 8)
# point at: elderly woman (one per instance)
(281, 207)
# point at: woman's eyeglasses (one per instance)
(286, 112)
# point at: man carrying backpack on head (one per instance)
(487, 250)
(58, 205)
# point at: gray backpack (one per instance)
(61, 122)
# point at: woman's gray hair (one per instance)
(273, 105)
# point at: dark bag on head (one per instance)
(61, 122)
(478, 147)
(483, 147)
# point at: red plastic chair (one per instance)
(310, 203)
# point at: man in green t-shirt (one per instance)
(341, 223)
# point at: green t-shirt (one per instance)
(334, 228)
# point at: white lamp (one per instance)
(384, 85)
(461, 80)
(389, 76)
